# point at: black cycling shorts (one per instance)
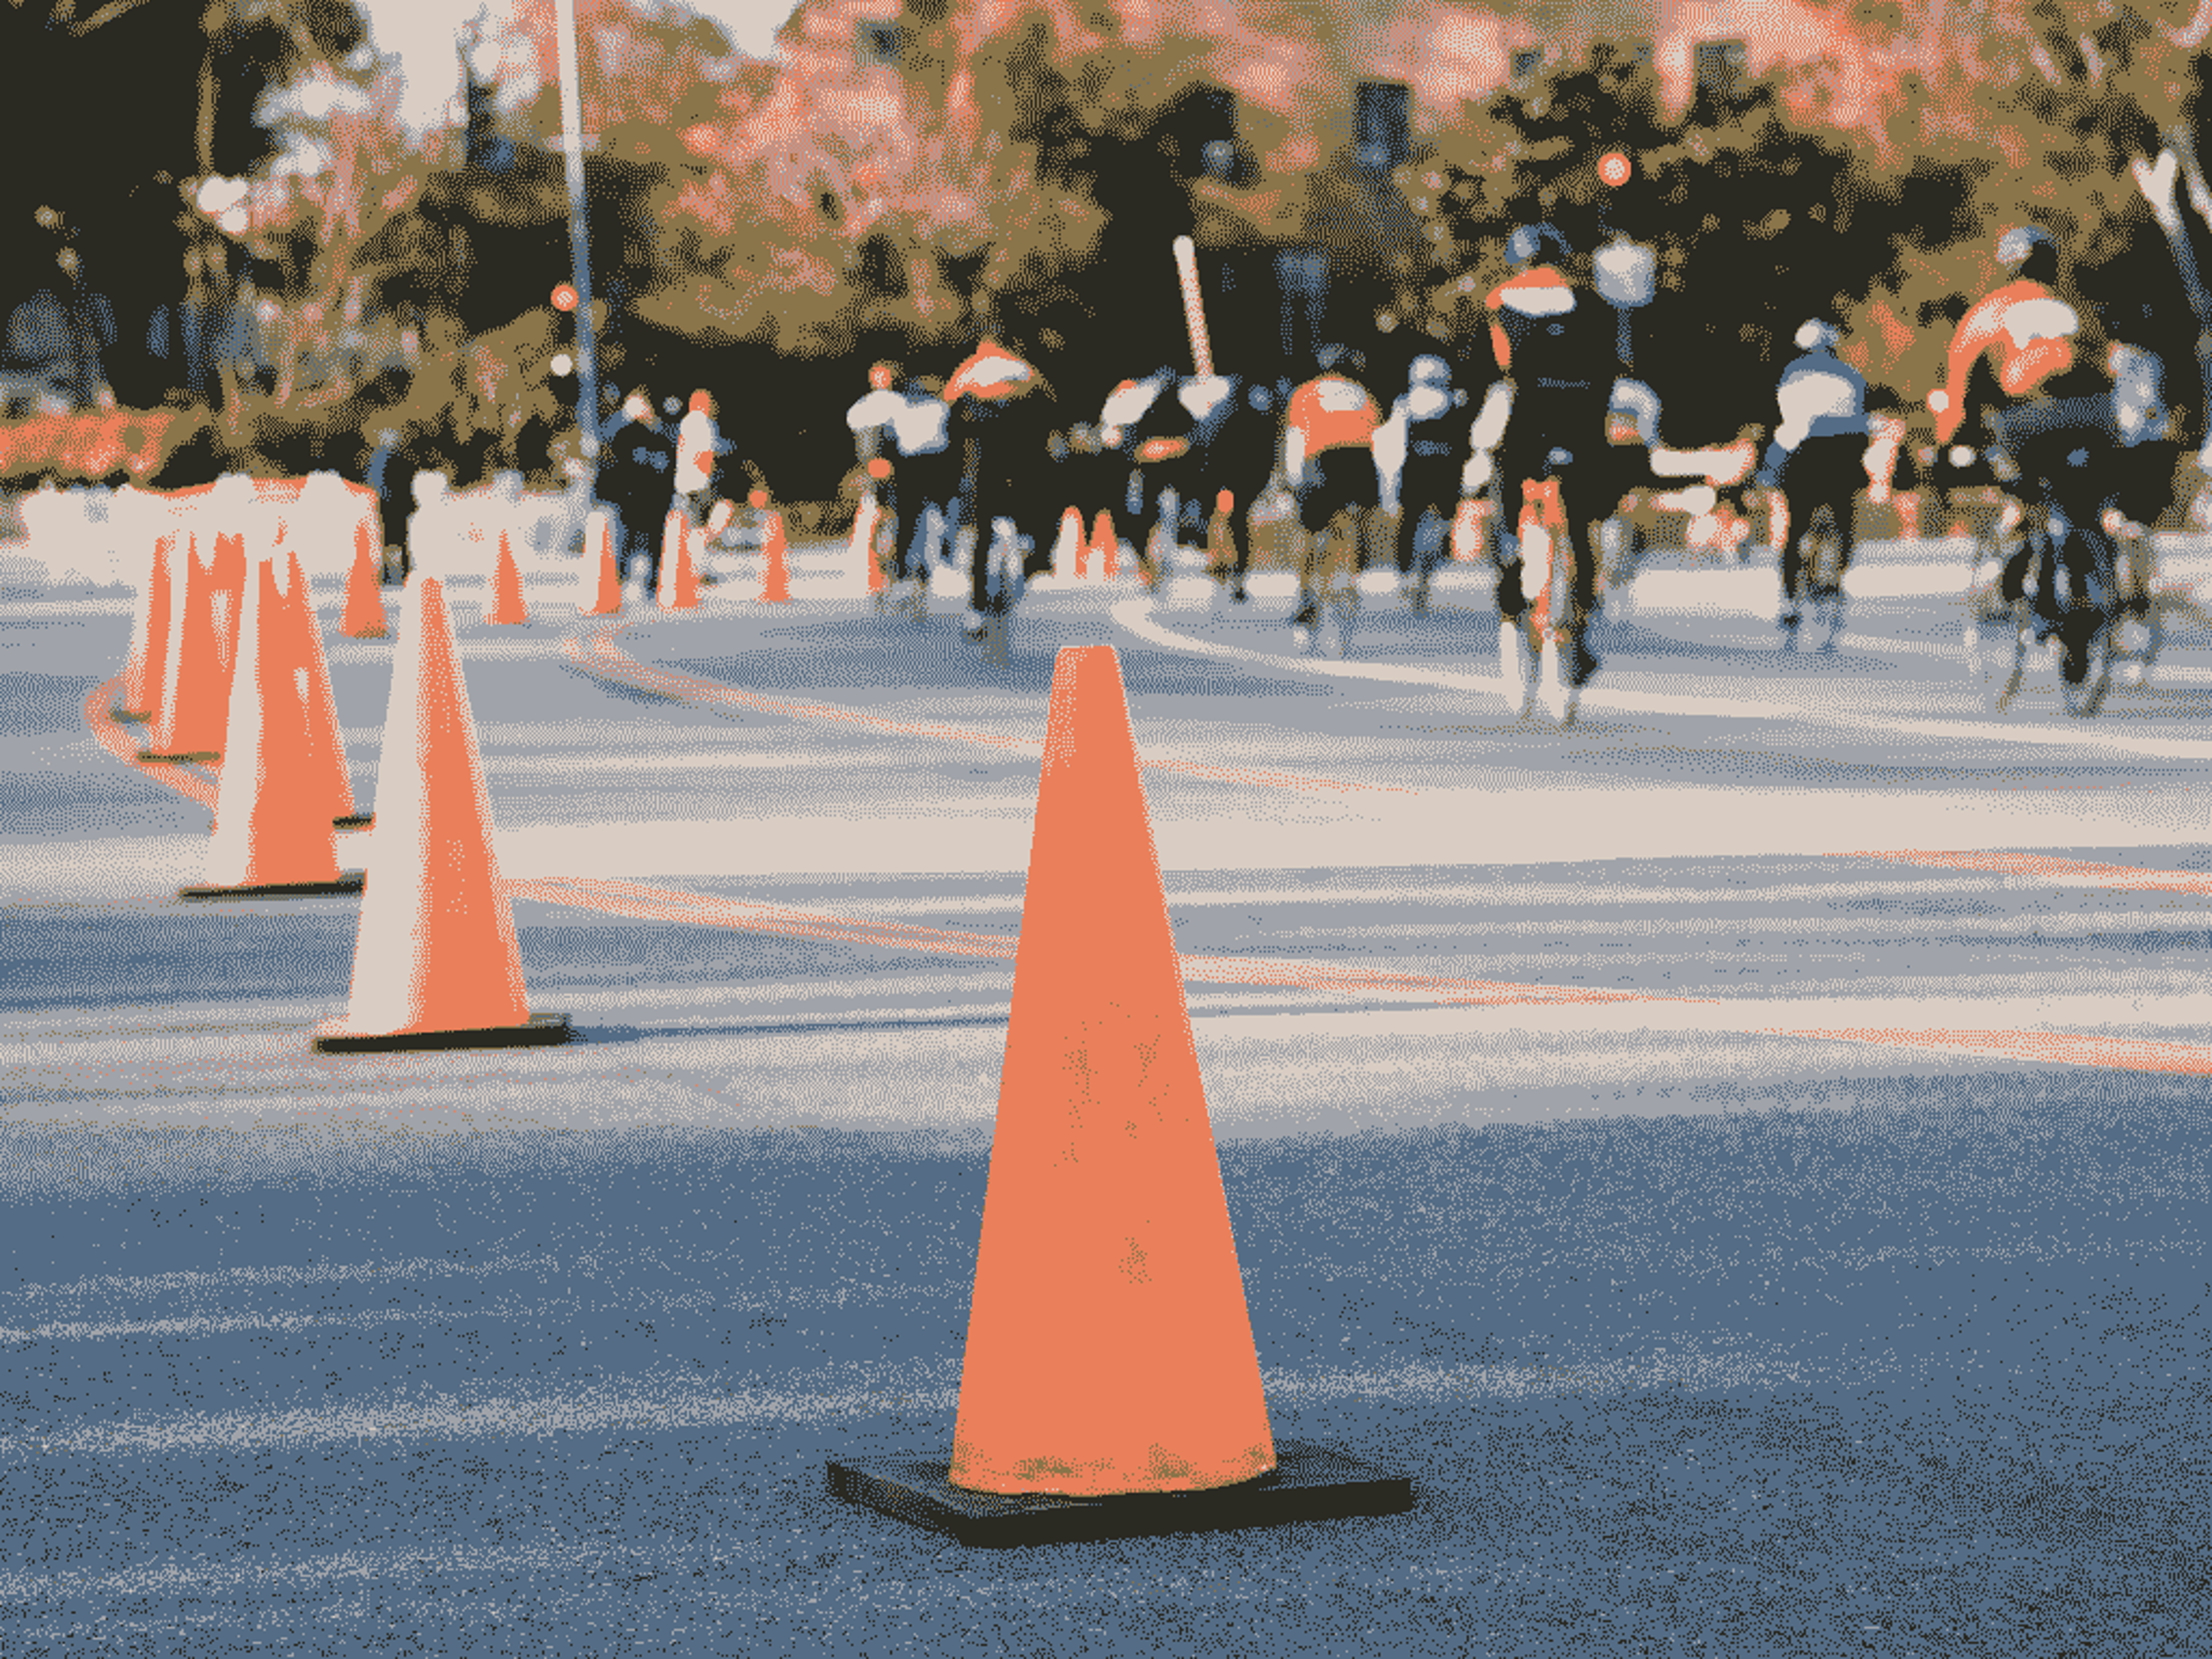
(1337, 479)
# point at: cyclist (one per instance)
(2033, 361)
(1001, 415)
(1557, 345)
(1430, 463)
(1329, 459)
(1233, 449)
(1817, 459)
(925, 478)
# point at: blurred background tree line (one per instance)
(216, 207)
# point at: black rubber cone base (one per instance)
(351, 881)
(1309, 1483)
(539, 1031)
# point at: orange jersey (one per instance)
(1331, 412)
(991, 373)
(2028, 331)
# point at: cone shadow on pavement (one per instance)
(435, 963)
(1110, 1377)
(273, 834)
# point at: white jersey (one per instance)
(922, 425)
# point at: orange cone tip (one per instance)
(506, 587)
(1110, 1349)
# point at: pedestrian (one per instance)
(698, 446)
(1328, 459)
(636, 478)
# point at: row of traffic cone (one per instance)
(1110, 1352)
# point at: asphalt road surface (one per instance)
(1745, 1156)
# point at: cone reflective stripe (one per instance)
(364, 608)
(195, 697)
(861, 550)
(506, 587)
(323, 762)
(598, 535)
(1067, 549)
(149, 637)
(228, 573)
(1110, 1349)
(436, 951)
(273, 816)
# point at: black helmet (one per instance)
(1534, 242)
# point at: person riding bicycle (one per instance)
(2033, 360)
(1001, 417)
(1329, 459)
(1430, 456)
(1557, 345)
(1817, 459)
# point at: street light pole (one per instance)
(572, 153)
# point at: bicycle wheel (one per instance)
(1562, 635)
(2085, 671)
(1995, 631)
(1824, 580)
(2141, 631)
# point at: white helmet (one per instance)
(1429, 369)
(1816, 334)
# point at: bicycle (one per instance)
(1555, 621)
(2097, 612)
(1820, 605)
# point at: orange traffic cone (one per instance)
(188, 722)
(364, 607)
(272, 823)
(436, 963)
(1069, 554)
(1110, 1349)
(679, 583)
(149, 637)
(506, 587)
(775, 562)
(599, 532)
(1105, 546)
(323, 768)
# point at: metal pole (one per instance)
(572, 153)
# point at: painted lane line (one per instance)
(1137, 617)
(596, 653)
(2038, 866)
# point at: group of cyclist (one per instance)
(2075, 423)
